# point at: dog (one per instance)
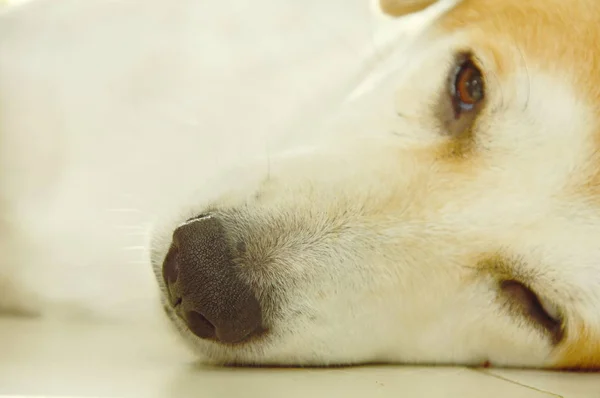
(448, 213)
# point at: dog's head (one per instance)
(452, 217)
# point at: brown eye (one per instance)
(468, 88)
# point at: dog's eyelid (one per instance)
(551, 309)
(538, 309)
(466, 54)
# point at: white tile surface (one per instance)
(571, 385)
(91, 360)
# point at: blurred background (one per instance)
(111, 111)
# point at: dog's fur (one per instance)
(389, 239)
(109, 108)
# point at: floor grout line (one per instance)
(488, 373)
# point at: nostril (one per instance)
(171, 274)
(176, 301)
(200, 326)
(171, 265)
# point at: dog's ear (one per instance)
(398, 8)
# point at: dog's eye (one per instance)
(461, 102)
(538, 310)
(467, 88)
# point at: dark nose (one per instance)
(204, 287)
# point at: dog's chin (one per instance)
(263, 350)
(210, 352)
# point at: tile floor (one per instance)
(40, 358)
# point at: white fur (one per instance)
(402, 282)
(107, 106)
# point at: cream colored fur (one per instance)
(390, 246)
(396, 248)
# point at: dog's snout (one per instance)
(204, 287)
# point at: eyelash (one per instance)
(524, 300)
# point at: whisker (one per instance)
(134, 248)
(136, 234)
(493, 75)
(131, 227)
(528, 76)
(268, 161)
(124, 210)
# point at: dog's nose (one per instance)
(204, 287)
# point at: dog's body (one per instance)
(107, 108)
(448, 212)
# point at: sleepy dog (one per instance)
(449, 215)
